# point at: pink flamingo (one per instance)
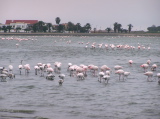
(145, 67)
(130, 62)
(117, 67)
(94, 69)
(104, 68)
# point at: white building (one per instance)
(23, 24)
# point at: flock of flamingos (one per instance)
(80, 72)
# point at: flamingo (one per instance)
(10, 68)
(108, 72)
(94, 69)
(50, 70)
(106, 78)
(50, 77)
(117, 67)
(20, 67)
(104, 68)
(126, 74)
(120, 72)
(57, 67)
(145, 67)
(149, 74)
(69, 65)
(153, 67)
(130, 62)
(27, 68)
(61, 76)
(149, 61)
(3, 77)
(101, 74)
(80, 76)
(37, 68)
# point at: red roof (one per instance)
(24, 21)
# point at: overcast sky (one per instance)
(99, 13)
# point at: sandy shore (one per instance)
(81, 34)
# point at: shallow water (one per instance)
(32, 97)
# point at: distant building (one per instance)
(23, 24)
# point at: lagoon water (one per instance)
(33, 97)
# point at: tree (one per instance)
(4, 28)
(9, 28)
(129, 27)
(108, 29)
(49, 25)
(17, 29)
(57, 20)
(35, 27)
(119, 27)
(40, 26)
(78, 26)
(115, 26)
(70, 26)
(60, 28)
(88, 27)
(45, 28)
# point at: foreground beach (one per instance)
(84, 34)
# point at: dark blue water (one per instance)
(34, 97)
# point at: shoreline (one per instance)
(80, 34)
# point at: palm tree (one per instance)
(129, 27)
(115, 26)
(49, 26)
(88, 27)
(78, 25)
(57, 20)
(119, 27)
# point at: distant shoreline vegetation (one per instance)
(43, 27)
(82, 34)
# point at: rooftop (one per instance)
(22, 21)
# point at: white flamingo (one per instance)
(20, 67)
(149, 74)
(120, 72)
(153, 67)
(61, 76)
(126, 74)
(106, 78)
(80, 76)
(101, 74)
